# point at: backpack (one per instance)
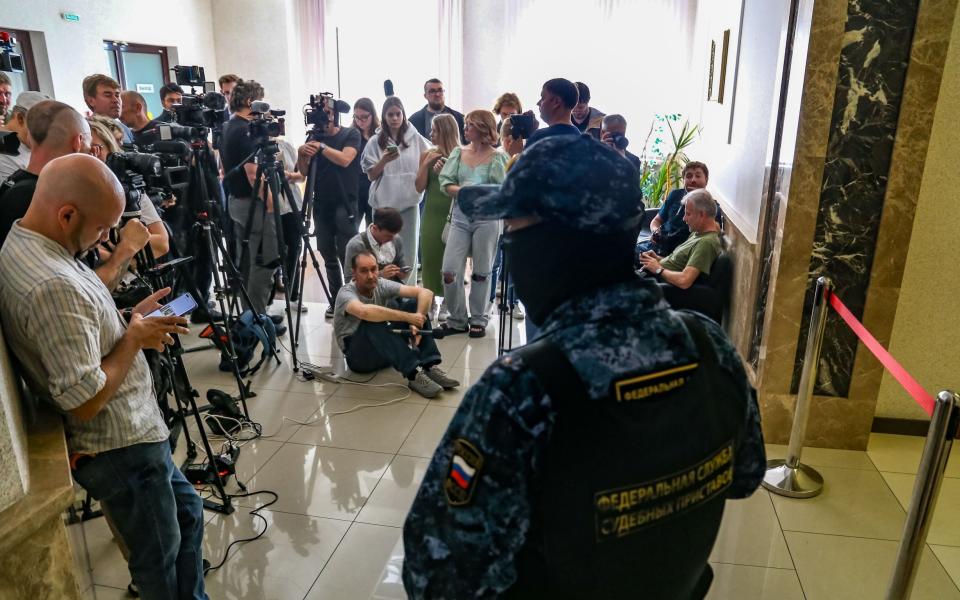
(247, 335)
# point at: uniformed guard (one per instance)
(595, 461)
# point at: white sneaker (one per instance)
(299, 306)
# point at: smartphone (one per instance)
(406, 269)
(176, 308)
(392, 149)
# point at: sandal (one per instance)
(446, 330)
(477, 331)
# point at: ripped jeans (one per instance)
(479, 240)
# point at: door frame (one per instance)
(117, 48)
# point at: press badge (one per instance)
(463, 474)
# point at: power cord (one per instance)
(255, 512)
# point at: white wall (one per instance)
(737, 154)
(635, 55)
(75, 50)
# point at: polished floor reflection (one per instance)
(346, 481)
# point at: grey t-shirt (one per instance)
(345, 324)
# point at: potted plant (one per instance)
(662, 168)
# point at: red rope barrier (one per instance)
(909, 384)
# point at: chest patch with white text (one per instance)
(653, 385)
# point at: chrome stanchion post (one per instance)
(790, 477)
(933, 463)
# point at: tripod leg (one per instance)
(280, 193)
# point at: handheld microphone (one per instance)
(388, 88)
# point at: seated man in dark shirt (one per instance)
(696, 255)
(668, 228)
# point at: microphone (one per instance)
(260, 107)
(436, 333)
(388, 88)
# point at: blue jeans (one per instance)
(158, 514)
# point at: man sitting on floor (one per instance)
(364, 328)
(697, 254)
(381, 238)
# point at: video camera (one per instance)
(266, 123)
(172, 145)
(620, 141)
(523, 125)
(315, 116)
(10, 61)
(206, 109)
(133, 169)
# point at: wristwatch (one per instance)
(322, 147)
(658, 271)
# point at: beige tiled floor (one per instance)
(346, 481)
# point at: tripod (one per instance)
(300, 276)
(270, 175)
(206, 229)
(505, 306)
(175, 372)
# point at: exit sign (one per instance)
(67, 16)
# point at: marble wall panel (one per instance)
(871, 77)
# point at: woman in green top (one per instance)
(476, 163)
(445, 135)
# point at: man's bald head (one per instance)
(80, 180)
(57, 128)
(133, 111)
(77, 200)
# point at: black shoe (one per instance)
(329, 313)
(206, 566)
(277, 319)
(280, 329)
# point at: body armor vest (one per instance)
(632, 491)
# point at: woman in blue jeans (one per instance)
(476, 163)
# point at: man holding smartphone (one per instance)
(77, 353)
(383, 240)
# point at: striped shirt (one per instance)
(60, 321)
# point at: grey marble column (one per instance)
(872, 71)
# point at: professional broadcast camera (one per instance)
(266, 123)
(133, 169)
(316, 118)
(10, 61)
(206, 109)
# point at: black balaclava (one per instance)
(550, 263)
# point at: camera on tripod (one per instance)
(315, 114)
(266, 123)
(205, 109)
(10, 61)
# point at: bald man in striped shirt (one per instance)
(77, 351)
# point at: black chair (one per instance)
(709, 295)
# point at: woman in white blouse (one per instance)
(391, 160)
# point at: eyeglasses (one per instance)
(435, 92)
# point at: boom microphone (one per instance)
(388, 88)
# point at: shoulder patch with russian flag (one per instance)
(464, 473)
